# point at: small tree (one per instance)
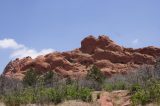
(48, 77)
(30, 78)
(69, 81)
(51, 78)
(95, 74)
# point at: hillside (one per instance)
(102, 52)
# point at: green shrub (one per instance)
(30, 78)
(108, 87)
(69, 81)
(135, 88)
(154, 90)
(51, 78)
(140, 97)
(95, 74)
(17, 98)
(149, 93)
(48, 77)
(56, 96)
(72, 92)
(120, 86)
(85, 94)
(47, 95)
(115, 86)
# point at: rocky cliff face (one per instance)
(102, 52)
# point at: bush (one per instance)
(140, 97)
(72, 92)
(32, 95)
(135, 88)
(47, 95)
(69, 81)
(17, 98)
(95, 77)
(8, 85)
(51, 78)
(140, 76)
(114, 86)
(85, 94)
(30, 78)
(143, 83)
(149, 93)
(95, 74)
(48, 77)
(56, 96)
(154, 89)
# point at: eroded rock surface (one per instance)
(102, 52)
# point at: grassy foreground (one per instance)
(142, 84)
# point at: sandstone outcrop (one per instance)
(102, 52)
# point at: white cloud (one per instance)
(136, 41)
(20, 51)
(10, 43)
(29, 52)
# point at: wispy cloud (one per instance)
(29, 52)
(20, 51)
(10, 43)
(136, 41)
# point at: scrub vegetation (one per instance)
(143, 84)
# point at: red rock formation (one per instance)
(88, 45)
(102, 52)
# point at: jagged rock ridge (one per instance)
(102, 52)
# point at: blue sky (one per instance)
(33, 27)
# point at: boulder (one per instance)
(88, 44)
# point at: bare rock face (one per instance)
(102, 52)
(88, 45)
(103, 41)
